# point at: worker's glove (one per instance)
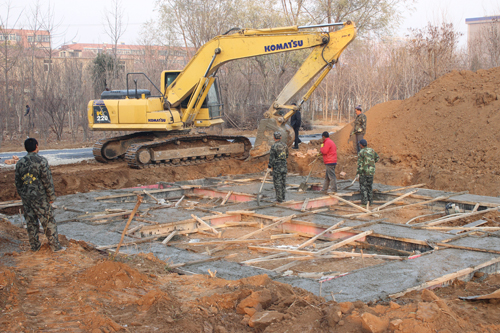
(360, 130)
(322, 145)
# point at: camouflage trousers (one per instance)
(359, 137)
(365, 188)
(279, 180)
(40, 210)
(330, 178)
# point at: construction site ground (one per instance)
(399, 269)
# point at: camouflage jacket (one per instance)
(278, 156)
(360, 124)
(367, 157)
(34, 179)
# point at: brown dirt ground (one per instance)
(85, 290)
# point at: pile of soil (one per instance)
(83, 290)
(446, 135)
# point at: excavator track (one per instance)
(113, 149)
(187, 150)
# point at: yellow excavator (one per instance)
(166, 127)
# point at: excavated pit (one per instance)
(411, 243)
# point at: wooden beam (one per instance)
(304, 205)
(394, 200)
(205, 224)
(350, 203)
(169, 237)
(447, 278)
(139, 201)
(226, 198)
(229, 241)
(179, 202)
(402, 188)
(460, 217)
(284, 236)
(151, 196)
(286, 266)
(272, 249)
(139, 241)
(344, 242)
(195, 262)
(335, 226)
(466, 248)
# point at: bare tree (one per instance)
(10, 49)
(115, 27)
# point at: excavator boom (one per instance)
(190, 99)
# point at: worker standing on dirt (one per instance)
(295, 122)
(36, 188)
(329, 151)
(367, 158)
(359, 127)
(277, 162)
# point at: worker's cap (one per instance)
(277, 135)
(358, 108)
(363, 142)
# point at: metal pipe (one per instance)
(321, 25)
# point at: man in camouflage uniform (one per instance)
(277, 162)
(367, 158)
(36, 189)
(359, 127)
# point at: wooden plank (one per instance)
(243, 224)
(462, 228)
(179, 202)
(166, 240)
(350, 203)
(335, 226)
(230, 241)
(395, 200)
(195, 262)
(284, 236)
(205, 224)
(397, 208)
(304, 205)
(469, 225)
(402, 188)
(272, 249)
(460, 216)
(466, 248)
(139, 201)
(226, 198)
(240, 212)
(140, 241)
(151, 196)
(108, 216)
(133, 230)
(286, 266)
(447, 278)
(272, 256)
(344, 242)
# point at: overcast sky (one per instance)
(83, 21)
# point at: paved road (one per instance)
(67, 156)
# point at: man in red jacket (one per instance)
(329, 151)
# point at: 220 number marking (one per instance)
(102, 118)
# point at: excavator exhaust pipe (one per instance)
(265, 136)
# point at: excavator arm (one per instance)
(196, 79)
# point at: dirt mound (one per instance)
(447, 134)
(57, 291)
(108, 275)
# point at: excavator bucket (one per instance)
(265, 136)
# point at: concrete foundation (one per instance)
(421, 263)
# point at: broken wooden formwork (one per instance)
(308, 236)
